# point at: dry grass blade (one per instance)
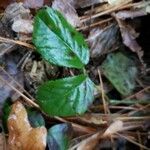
(132, 141)
(103, 94)
(95, 24)
(18, 84)
(141, 91)
(77, 126)
(21, 94)
(89, 143)
(6, 40)
(110, 10)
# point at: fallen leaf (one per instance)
(69, 12)
(59, 136)
(10, 65)
(125, 14)
(118, 2)
(141, 9)
(15, 11)
(36, 119)
(129, 36)
(121, 72)
(21, 135)
(99, 40)
(33, 3)
(6, 48)
(86, 3)
(22, 26)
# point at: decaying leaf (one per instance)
(59, 137)
(6, 48)
(15, 11)
(121, 72)
(99, 40)
(11, 67)
(129, 36)
(33, 3)
(20, 19)
(142, 9)
(86, 3)
(67, 9)
(124, 14)
(21, 135)
(22, 26)
(36, 119)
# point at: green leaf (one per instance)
(121, 72)
(6, 110)
(59, 137)
(57, 41)
(36, 119)
(66, 97)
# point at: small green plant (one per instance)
(60, 44)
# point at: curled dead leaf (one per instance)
(21, 135)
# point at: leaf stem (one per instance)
(84, 71)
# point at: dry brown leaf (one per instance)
(129, 36)
(142, 9)
(10, 65)
(124, 14)
(21, 135)
(33, 3)
(87, 3)
(99, 40)
(15, 11)
(67, 9)
(22, 26)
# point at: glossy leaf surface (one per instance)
(66, 97)
(57, 41)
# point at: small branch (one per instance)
(102, 90)
(132, 141)
(132, 96)
(110, 10)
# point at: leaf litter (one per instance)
(112, 30)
